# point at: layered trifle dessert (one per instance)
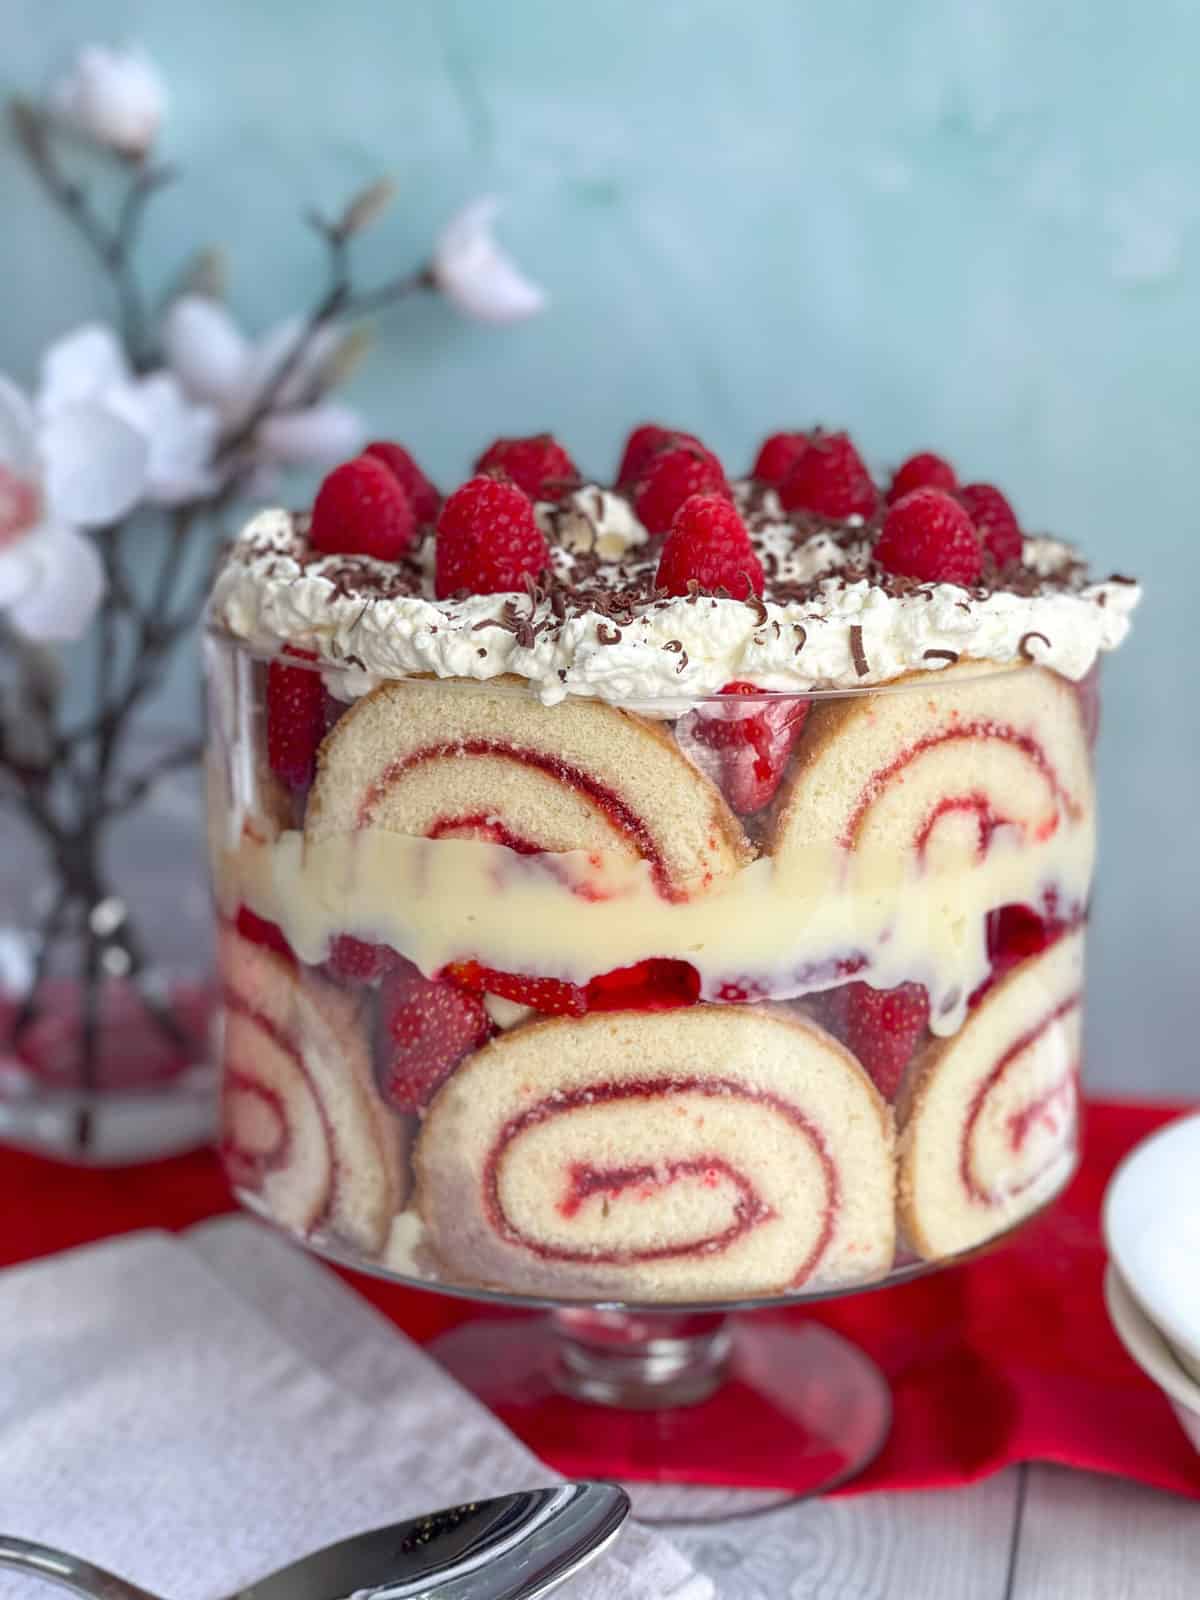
(665, 891)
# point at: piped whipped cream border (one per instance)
(850, 634)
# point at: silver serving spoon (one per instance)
(516, 1547)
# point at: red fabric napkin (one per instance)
(1007, 1358)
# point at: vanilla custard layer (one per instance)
(783, 929)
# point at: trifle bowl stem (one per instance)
(784, 1396)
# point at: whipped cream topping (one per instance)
(596, 627)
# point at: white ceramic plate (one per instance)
(1152, 1353)
(1152, 1229)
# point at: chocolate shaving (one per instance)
(1023, 646)
(614, 594)
(941, 655)
(754, 601)
(683, 661)
(673, 644)
(481, 651)
(857, 654)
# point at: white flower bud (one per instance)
(114, 97)
(476, 275)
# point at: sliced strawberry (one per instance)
(553, 996)
(1014, 933)
(883, 1028)
(259, 931)
(751, 744)
(657, 984)
(295, 718)
(356, 961)
(426, 1027)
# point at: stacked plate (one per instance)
(1152, 1230)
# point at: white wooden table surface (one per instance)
(1031, 1533)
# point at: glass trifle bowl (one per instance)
(643, 1005)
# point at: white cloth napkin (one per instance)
(194, 1412)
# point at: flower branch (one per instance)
(164, 424)
(112, 245)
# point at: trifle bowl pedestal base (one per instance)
(794, 1409)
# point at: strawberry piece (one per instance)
(426, 1027)
(657, 984)
(487, 540)
(752, 744)
(423, 495)
(362, 509)
(995, 521)
(673, 476)
(538, 464)
(356, 961)
(922, 471)
(642, 445)
(1014, 933)
(708, 544)
(777, 455)
(929, 536)
(259, 931)
(295, 719)
(740, 990)
(830, 479)
(883, 1027)
(553, 996)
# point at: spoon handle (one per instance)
(69, 1572)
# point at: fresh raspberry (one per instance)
(295, 719)
(538, 464)
(487, 539)
(259, 931)
(362, 509)
(550, 995)
(425, 499)
(929, 536)
(751, 744)
(426, 1027)
(672, 477)
(708, 544)
(995, 521)
(658, 984)
(777, 455)
(922, 471)
(355, 961)
(883, 1027)
(642, 445)
(830, 478)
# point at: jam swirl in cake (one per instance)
(682, 914)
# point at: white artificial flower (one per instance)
(476, 275)
(116, 98)
(88, 368)
(84, 466)
(216, 363)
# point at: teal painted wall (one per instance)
(973, 224)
